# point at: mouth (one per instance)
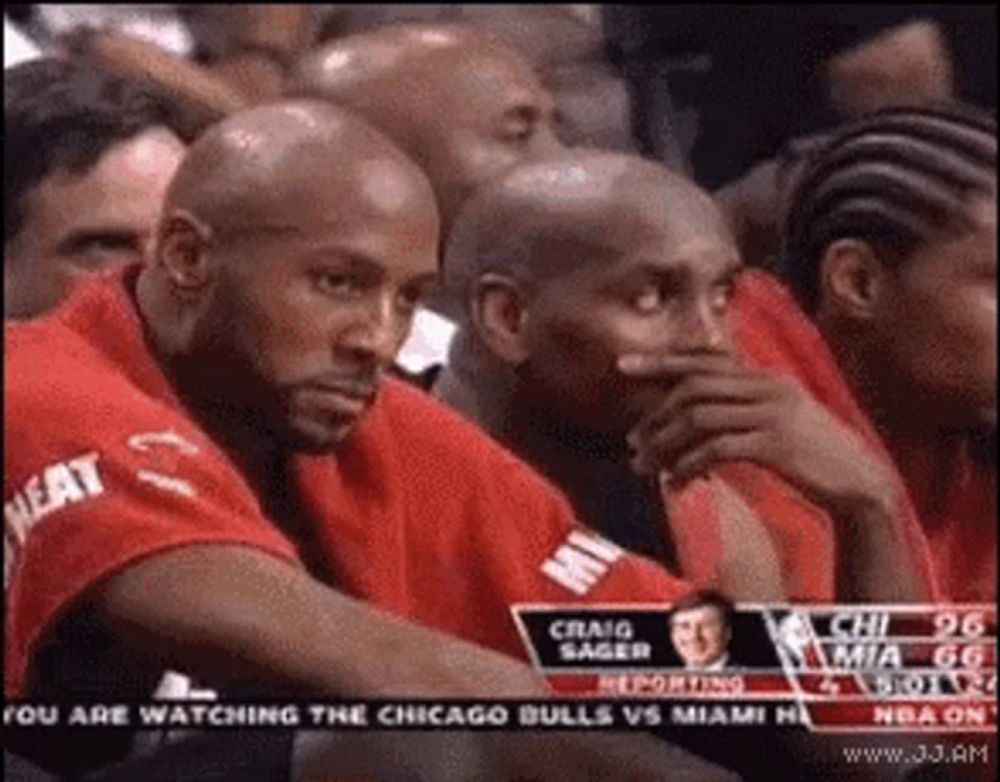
(341, 400)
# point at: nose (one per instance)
(704, 330)
(377, 333)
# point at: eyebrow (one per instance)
(359, 263)
(676, 268)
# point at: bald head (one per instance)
(465, 106)
(295, 244)
(546, 218)
(291, 163)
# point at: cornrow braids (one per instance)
(895, 179)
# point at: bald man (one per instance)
(597, 287)
(208, 472)
(463, 105)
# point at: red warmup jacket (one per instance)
(960, 521)
(773, 333)
(420, 513)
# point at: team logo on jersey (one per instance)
(580, 562)
(56, 486)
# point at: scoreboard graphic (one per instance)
(831, 668)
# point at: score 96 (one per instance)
(949, 624)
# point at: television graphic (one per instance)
(832, 668)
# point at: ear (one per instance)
(182, 251)
(499, 316)
(852, 279)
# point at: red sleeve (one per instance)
(98, 477)
(487, 533)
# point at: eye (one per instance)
(334, 284)
(95, 249)
(650, 299)
(109, 244)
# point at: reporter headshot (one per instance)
(700, 629)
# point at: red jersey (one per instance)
(418, 513)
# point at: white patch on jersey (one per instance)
(166, 482)
(581, 562)
(145, 440)
(59, 484)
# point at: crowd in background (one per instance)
(713, 287)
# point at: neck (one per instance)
(491, 394)
(863, 365)
(925, 453)
(196, 382)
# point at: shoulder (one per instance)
(64, 397)
(54, 374)
(432, 438)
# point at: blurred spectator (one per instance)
(462, 104)
(563, 43)
(726, 86)
(890, 242)
(87, 158)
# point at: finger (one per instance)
(648, 365)
(746, 388)
(727, 447)
(698, 424)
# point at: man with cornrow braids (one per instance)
(890, 244)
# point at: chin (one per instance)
(317, 439)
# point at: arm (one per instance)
(719, 411)
(232, 614)
(204, 92)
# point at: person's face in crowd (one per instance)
(80, 223)
(938, 324)
(661, 284)
(305, 316)
(493, 115)
(699, 635)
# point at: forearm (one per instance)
(176, 77)
(875, 561)
(228, 615)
